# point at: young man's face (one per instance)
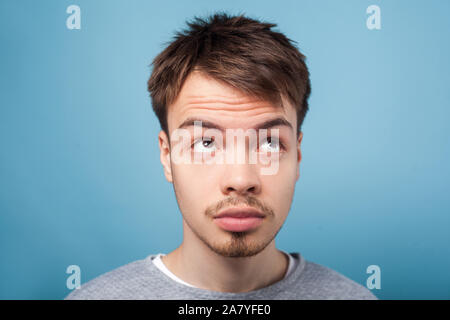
(203, 190)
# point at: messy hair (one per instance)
(241, 52)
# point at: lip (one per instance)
(239, 219)
(243, 212)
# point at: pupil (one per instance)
(206, 143)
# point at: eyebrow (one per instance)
(210, 125)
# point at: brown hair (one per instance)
(236, 50)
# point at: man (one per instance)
(225, 75)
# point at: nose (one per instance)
(240, 179)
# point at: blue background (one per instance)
(80, 176)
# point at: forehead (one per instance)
(203, 96)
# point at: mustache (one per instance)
(234, 201)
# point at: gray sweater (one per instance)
(141, 279)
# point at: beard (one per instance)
(237, 244)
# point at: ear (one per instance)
(164, 148)
(299, 154)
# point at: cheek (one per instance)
(280, 187)
(286, 169)
(193, 183)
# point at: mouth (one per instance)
(239, 219)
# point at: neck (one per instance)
(195, 263)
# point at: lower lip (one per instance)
(238, 224)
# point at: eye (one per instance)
(270, 145)
(204, 144)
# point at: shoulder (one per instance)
(325, 283)
(120, 283)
